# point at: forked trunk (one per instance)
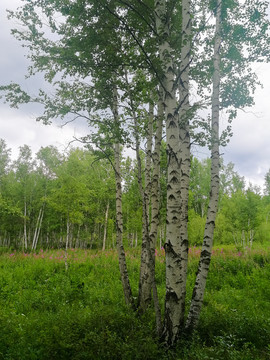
(38, 227)
(178, 162)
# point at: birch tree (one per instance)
(156, 36)
(119, 213)
(199, 288)
(267, 183)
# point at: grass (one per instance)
(48, 313)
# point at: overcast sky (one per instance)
(18, 126)
(249, 149)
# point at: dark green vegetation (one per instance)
(48, 313)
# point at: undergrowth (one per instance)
(47, 312)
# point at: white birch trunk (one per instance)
(184, 109)
(178, 155)
(145, 283)
(145, 280)
(105, 227)
(199, 288)
(155, 196)
(38, 227)
(119, 213)
(155, 210)
(172, 246)
(148, 158)
(67, 243)
(78, 243)
(25, 227)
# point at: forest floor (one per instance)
(49, 313)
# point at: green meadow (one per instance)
(49, 313)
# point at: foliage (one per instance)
(79, 184)
(267, 183)
(48, 313)
(61, 187)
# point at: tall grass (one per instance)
(47, 312)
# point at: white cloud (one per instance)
(249, 147)
(18, 126)
(18, 129)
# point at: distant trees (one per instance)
(78, 187)
(55, 199)
(267, 183)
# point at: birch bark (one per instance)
(105, 227)
(155, 209)
(145, 280)
(67, 243)
(148, 158)
(38, 227)
(184, 110)
(172, 246)
(199, 288)
(119, 213)
(25, 227)
(145, 284)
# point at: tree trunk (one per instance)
(203, 268)
(155, 209)
(148, 158)
(25, 228)
(174, 243)
(119, 213)
(105, 227)
(184, 114)
(67, 243)
(145, 284)
(78, 243)
(38, 227)
(145, 281)
(136, 239)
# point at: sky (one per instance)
(18, 126)
(249, 148)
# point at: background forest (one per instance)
(51, 196)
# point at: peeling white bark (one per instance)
(199, 288)
(172, 245)
(184, 110)
(178, 152)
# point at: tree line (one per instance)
(50, 199)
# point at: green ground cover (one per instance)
(48, 313)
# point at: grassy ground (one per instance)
(48, 313)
